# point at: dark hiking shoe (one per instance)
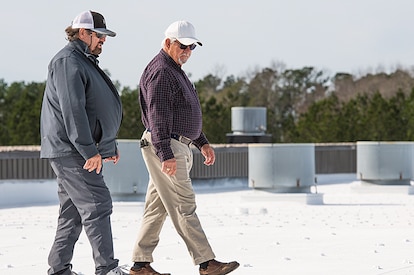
(217, 268)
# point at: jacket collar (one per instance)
(83, 48)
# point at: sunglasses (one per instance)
(98, 35)
(184, 47)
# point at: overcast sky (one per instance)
(238, 36)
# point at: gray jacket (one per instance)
(81, 110)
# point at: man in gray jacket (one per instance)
(81, 116)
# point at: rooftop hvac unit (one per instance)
(248, 125)
(129, 177)
(282, 167)
(385, 162)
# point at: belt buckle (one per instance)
(184, 140)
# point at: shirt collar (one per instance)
(170, 60)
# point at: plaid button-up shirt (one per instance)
(169, 105)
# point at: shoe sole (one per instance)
(232, 268)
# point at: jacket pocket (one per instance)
(97, 133)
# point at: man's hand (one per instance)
(169, 167)
(94, 163)
(114, 159)
(208, 154)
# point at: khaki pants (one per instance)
(172, 195)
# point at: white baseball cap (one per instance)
(92, 21)
(183, 31)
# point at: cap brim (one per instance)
(189, 41)
(104, 31)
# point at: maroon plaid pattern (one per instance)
(169, 105)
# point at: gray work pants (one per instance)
(172, 195)
(85, 202)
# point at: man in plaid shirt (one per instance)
(172, 116)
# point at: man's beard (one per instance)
(97, 50)
(182, 59)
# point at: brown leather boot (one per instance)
(216, 268)
(145, 270)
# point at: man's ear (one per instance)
(168, 42)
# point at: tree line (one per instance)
(303, 105)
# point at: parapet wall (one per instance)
(23, 162)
